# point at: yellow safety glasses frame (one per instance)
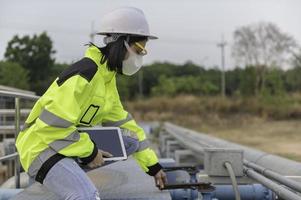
(141, 50)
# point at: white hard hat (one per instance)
(125, 20)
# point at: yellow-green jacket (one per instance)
(85, 94)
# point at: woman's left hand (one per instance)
(160, 179)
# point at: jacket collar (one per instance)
(95, 54)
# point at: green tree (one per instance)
(293, 79)
(12, 74)
(151, 73)
(262, 45)
(233, 81)
(297, 58)
(165, 86)
(123, 85)
(34, 54)
(274, 85)
(247, 86)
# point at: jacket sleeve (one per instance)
(145, 156)
(56, 125)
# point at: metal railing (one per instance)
(15, 156)
(7, 121)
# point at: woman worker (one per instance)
(85, 94)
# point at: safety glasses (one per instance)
(140, 49)
(137, 48)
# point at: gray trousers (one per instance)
(67, 180)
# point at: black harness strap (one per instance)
(47, 165)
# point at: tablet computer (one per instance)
(107, 139)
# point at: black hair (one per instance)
(114, 52)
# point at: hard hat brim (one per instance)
(151, 37)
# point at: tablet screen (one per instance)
(108, 139)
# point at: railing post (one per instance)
(17, 128)
(17, 96)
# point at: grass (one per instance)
(270, 124)
(278, 137)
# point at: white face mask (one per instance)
(133, 63)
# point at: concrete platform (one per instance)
(122, 180)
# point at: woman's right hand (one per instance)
(98, 160)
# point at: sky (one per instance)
(188, 30)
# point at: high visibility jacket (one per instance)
(85, 94)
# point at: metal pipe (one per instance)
(7, 194)
(8, 128)
(275, 176)
(18, 95)
(17, 127)
(247, 192)
(197, 140)
(279, 190)
(233, 179)
(11, 112)
(188, 141)
(9, 157)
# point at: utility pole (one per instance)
(92, 33)
(222, 45)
